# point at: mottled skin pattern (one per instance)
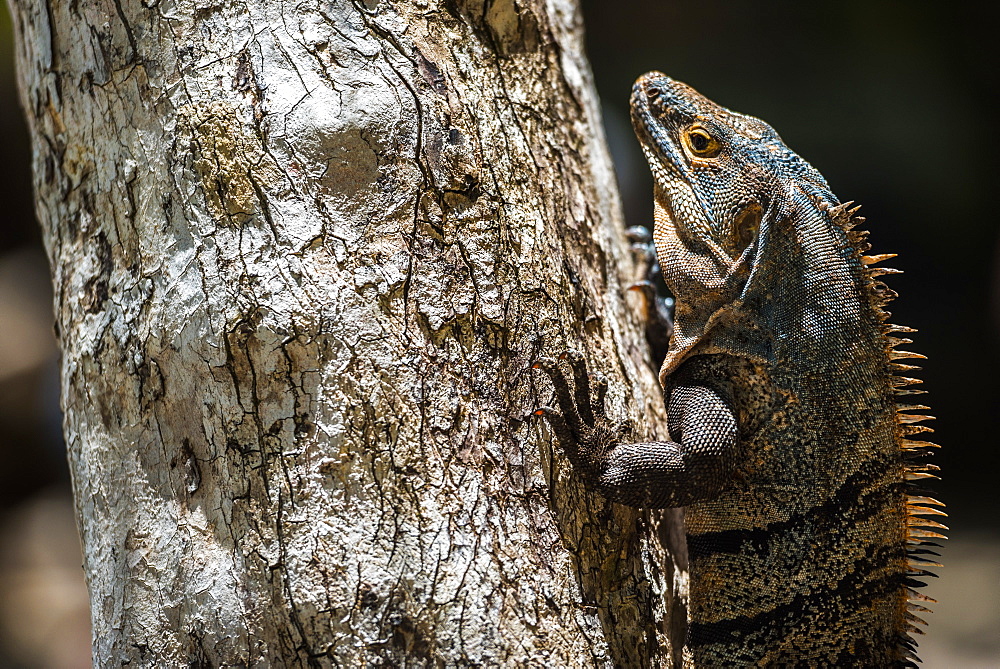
(787, 444)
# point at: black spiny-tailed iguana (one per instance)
(787, 444)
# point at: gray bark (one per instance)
(304, 256)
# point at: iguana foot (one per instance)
(658, 319)
(643, 252)
(580, 424)
(656, 306)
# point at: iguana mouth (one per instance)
(658, 103)
(661, 153)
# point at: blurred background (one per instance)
(891, 101)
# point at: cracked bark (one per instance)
(303, 258)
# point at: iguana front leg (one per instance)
(654, 474)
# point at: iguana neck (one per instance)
(803, 302)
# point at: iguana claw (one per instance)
(580, 423)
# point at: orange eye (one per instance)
(701, 143)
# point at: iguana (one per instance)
(797, 465)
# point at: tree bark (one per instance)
(304, 256)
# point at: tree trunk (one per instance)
(304, 256)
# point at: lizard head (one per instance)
(723, 181)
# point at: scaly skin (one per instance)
(787, 445)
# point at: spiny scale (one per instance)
(919, 528)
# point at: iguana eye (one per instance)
(701, 143)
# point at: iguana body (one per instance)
(788, 447)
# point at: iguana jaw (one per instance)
(701, 265)
(655, 98)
